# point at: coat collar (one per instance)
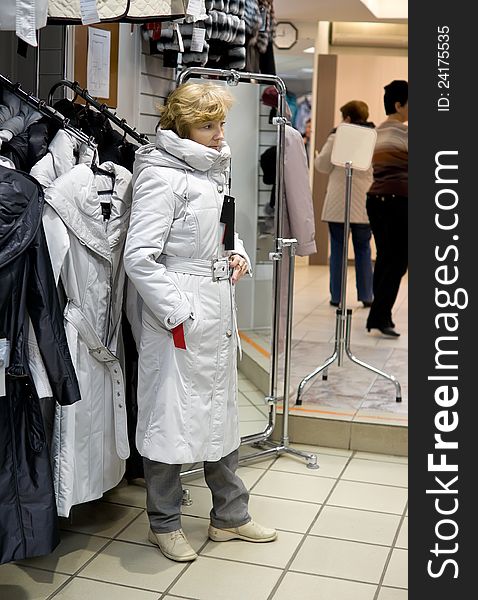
(195, 155)
(74, 197)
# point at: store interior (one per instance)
(342, 527)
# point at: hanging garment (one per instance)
(64, 152)
(24, 17)
(112, 145)
(68, 11)
(299, 219)
(303, 114)
(28, 517)
(187, 398)
(85, 234)
(15, 116)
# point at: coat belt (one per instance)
(217, 268)
(74, 315)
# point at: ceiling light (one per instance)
(310, 50)
(384, 9)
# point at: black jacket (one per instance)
(28, 519)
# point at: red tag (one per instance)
(178, 337)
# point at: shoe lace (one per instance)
(176, 535)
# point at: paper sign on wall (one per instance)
(98, 63)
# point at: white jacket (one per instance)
(64, 152)
(90, 440)
(24, 17)
(334, 203)
(117, 9)
(187, 399)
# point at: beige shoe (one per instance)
(250, 532)
(173, 545)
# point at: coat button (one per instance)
(171, 320)
(220, 188)
(228, 333)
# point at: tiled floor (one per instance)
(342, 528)
(342, 536)
(351, 391)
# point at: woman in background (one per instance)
(355, 112)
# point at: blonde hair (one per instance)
(193, 104)
(356, 110)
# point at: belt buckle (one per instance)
(220, 269)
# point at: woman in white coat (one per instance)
(176, 259)
(355, 112)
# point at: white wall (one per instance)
(362, 77)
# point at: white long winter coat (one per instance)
(187, 399)
(90, 441)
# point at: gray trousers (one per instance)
(230, 497)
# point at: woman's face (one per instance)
(210, 134)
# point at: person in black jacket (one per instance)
(28, 517)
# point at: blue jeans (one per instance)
(361, 235)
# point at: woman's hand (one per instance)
(239, 265)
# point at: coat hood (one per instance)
(180, 153)
(21, 204)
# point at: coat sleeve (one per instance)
(152, 214)
(47, 319)
(300, 207)
(322, 162)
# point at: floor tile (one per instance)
(133, 565)
(250, 413)
(257, 398)
(245, 385)
(356, 525)
(337, 558)
(249, 476)
(292, 486)
(261, 462)
(24, 583)
(273, 554)
(372, 471)
(80, 589)
(252, 427)
(195, 529)
(397, 570)
(314, 587)
(74, 550)
(202, 502)
(382, 457)
(369, 496)
(282, 514)
(127, 494)
(99, 518)
(320, 450)
(213, 579)
(330, 465)
(392, 594)
(402, 540)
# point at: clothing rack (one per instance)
(284, 248)
(42, 107)
(102, 108)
